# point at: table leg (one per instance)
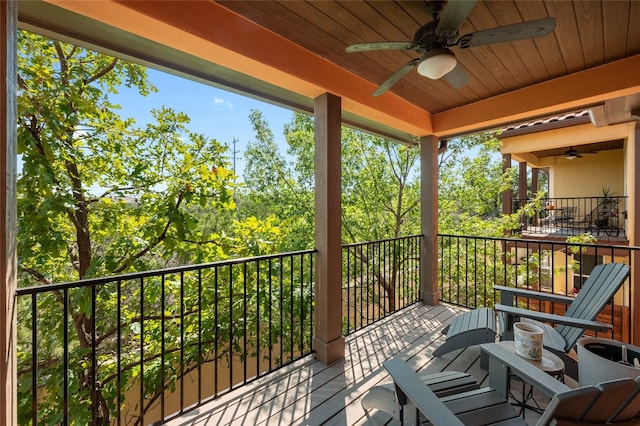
(499, 376)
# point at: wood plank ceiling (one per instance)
(587, 34)
(290, 52)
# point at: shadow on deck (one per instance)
(309, 393)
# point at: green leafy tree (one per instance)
(471, 183)
(276, 187)
(380, 193)
(97, 196)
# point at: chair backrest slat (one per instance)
(632, 408)
(613, 397)
(569, 405)
(613, 402)
(603, 282)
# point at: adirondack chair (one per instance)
(614, 402)
(582, 311)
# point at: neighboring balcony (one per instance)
(232, 341)
(603, 217)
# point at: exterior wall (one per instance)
(586, 176)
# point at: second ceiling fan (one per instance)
(434, 40)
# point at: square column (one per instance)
(328, 339)
(429, 291)
(507, 196)
(8, 206)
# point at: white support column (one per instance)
(429, 291)
(8, 227)
(328, 339)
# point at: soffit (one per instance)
(291, 51)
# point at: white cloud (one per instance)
(219, 102)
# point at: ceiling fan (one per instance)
(572, 153)
(434, 39)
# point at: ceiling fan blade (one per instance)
(453, 16)
(383, 45)
(396, 76)
(521, 31)
(457, 77)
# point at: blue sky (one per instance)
(215, 113)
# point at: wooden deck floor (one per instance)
(309, 393)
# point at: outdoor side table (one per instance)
(503, 362)
(550, 363)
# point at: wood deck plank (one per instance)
(307, 392)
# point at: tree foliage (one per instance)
(380, 181)
(471, 183)
(99, 195)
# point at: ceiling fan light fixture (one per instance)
(571, 154)
(436, 63)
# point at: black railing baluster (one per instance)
(231, 322)
(281, 311)
(200, 331)
(120, 396)
(358, 304)
(65, 355)
(244, 321)
(311, 296)
(34, 359)
(349, 278)
(141, 402)
(270, 278)
(94, 359)
(258, 355)
(182, 328)
(291, 310)
(216, 338)
(163, 350)
(301, 275)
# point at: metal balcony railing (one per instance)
(471, 266)
(147, 347)
(601, 216)
(379, 278)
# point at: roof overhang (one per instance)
(207, 42)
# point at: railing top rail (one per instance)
(407, 237)
(575, 198)
(543, 242)
(155, 272)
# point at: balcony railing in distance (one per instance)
(604, 217)
(144, 348)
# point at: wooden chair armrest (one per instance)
(513, 291)
(545, 383)
(409, 385)
(553, 318)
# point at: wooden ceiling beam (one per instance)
(567, 93)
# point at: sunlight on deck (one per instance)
(310, 393)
